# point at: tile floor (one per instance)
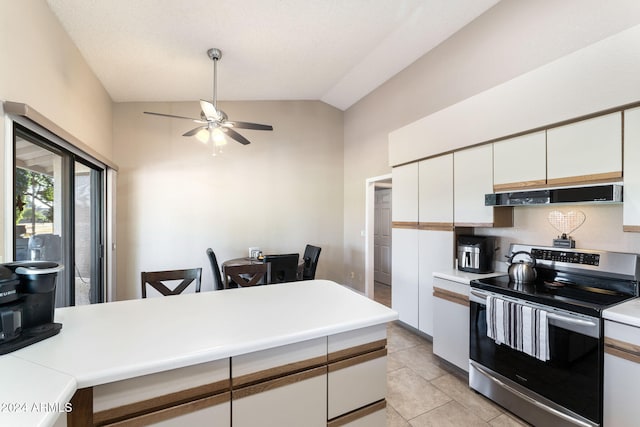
(423, 390)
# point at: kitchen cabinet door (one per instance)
(436, 254)
(451, 322)
(298, 399)
(404, 273)
(472, 179)
(631, 196)
(404, 202)
(621, 375)
(435, 210)
(281, 386)
(586, 151)
(520, 163)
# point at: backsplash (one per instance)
(602, 229)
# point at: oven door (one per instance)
(571, 378)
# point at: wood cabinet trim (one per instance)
(631, 228)
(278, 371)
(81, 414)
(622, 349)
(174, 411)
(357, 350)
(357, 414)
(587, 179)
(342, 364)
(451, 296)
(519, 185)
(411, 225)
(160, 402)
(278, 382)
(436, 226)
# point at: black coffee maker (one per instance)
(27, 303)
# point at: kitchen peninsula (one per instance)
(311, 353)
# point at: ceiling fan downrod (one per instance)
(215, 54)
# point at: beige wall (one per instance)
(282, 191)
(40, 66)
(510, 39)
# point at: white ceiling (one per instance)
(336, 51)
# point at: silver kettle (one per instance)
(522, 271)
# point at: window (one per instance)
(59, 214)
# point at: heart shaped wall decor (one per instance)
(566, 223)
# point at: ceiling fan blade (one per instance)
(175, 117)
(247, 125)
(235, 135)
(209, 110)
(194, 131)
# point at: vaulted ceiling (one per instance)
(336, 51)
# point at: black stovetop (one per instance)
(572, 292)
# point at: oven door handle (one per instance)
(580, 322)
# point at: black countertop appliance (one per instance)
(475, 253)
(27, 303)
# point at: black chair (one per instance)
(217, 278)
(311, 255)
(284, 267)
(157, 279)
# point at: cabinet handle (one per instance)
(622, 349)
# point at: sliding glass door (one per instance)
(58, 215)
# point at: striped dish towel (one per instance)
(520, 327)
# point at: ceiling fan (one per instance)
(214, 123)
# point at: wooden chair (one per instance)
(284, 267)
(246, 275)
(155, 279)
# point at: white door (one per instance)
(382, 237)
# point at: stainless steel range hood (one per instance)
(609, 193)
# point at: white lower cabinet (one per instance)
(335, 380)
(281, 386)
(436, 254)
(294, 400)
(621, 375)
(451, 322)
(357, 378)
(404, 272)
(170, 398)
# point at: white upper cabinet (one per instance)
(585, 151)
(436, 193)
(405, 193)
(472, 179)
(631, 196)
(520, 162)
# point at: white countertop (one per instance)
(32, 395)
(628, 313)
(464, 277)
(103, 343)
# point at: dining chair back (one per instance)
(160, 279)
(246, 275)
(215, 269)
(311, 256)
(284, 267)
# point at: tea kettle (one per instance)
(522, 271)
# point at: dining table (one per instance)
(259, 260)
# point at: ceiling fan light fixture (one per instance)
(214, 123)
(202, 135)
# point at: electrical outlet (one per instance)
(353, 274)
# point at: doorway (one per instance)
(382, 244)
(378, 222)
